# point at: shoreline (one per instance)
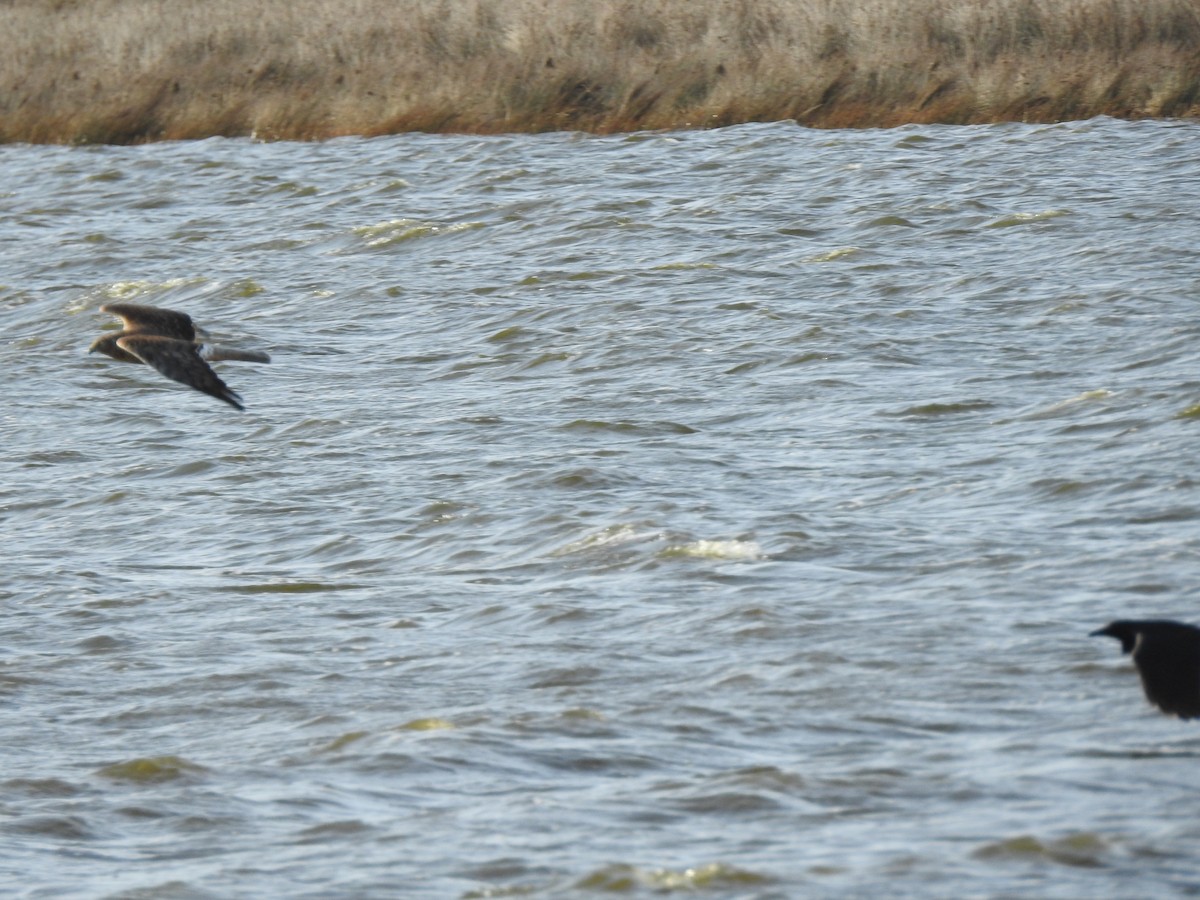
(137, 71)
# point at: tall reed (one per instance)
(137, 70)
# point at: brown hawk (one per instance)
(169, 342)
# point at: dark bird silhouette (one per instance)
(1167, 656)
(169, 342)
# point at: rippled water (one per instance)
(718, 512)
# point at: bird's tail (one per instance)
(215, 353)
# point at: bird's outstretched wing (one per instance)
(179, 360)
(1168, 661)
(153, 320)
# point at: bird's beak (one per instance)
(1100, 632)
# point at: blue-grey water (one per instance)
(718, 513)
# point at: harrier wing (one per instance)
(180, 361)
(140, 319)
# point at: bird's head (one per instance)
(1124, 631)
(107, 344)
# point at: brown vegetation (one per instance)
(119, 71)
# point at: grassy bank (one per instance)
(135, 70)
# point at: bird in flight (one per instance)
(1167, 656)
(169, 342)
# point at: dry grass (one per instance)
(120, 71)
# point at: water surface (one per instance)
(715, 512)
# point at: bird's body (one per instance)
(1167, 656)
(167, 341)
